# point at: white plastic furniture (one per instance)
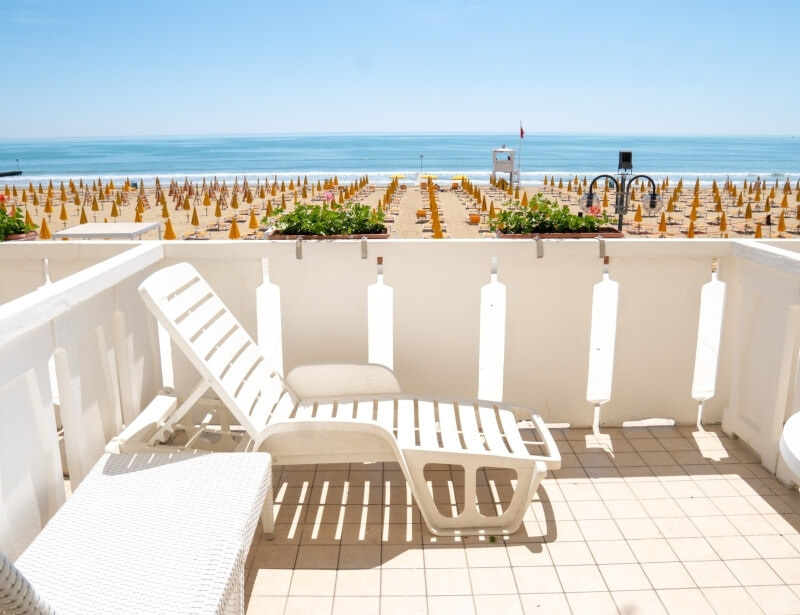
(790, 445)
(155, 533)
(333, 413)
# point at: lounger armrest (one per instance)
(337, 379)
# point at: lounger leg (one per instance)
(471, 521)
(268, 513)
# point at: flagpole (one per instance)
(519, 163)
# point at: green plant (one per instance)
(545, 216)
(13, 224)
(348, 219)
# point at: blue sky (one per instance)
(105, 68)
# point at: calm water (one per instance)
(379, 156)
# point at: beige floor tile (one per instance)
(668, 575)
(404, 605)
(753, 572)
(574, 492)
(638, 529)
(570, 553)
(697, 507)
(313, 583)
(271, 582)
(589, 509)
(348, 605)
(663, 507)
(640, 602)
(508, 604)
(622, 577)
(773, 546)
(692, 549)
(615, 491)
(451, 605)
(592, 603)
(683, 489)
(358, 583)
(651, 490)
(711, 574)
(732, 547)
(752, 525)
(626, 509)
(447, 581)
(735, 505)
(533, 554)
(545, 604)
(315, 557)
(731, 600)
(266, 605)
(652, 550)
(536, 580)
(402, 582)
(581, 579)
(685, 602)
(775, 600)
(445, 557)
(677, 527)
(487, 556)
(715, 526)
(396, 556)
(612, 552)
(788, 569)
(599, 529)
(275, 556)
(492, 581)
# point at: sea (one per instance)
(380, 156)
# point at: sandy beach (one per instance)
(408, 212)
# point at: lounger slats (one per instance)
(325, 410)
(406, 436)
(386, 415)
(345, 410)
(469, 428)
(365, 411)
(176, 306)
(252, 388)
(427, 424)
(200, 318)
(491, 431)
(239, 369)
(215, 333)
(512, 434)
(448, 427)
(227, 350)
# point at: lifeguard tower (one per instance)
(503, 162)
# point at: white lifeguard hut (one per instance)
(503, 162)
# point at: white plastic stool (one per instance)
(790, 445)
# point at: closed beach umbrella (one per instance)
(253, 224)
(64, 216)
(137, 217)
(169, 232)
(218, 212)
(758, 231)
(723, 223)
(690, 232)
(234, 232)
(662, 224)
(114, 211)
(83, 219)
(748, 213)
(781, 224)
(195, 219)
(637, 217)
(44, 230)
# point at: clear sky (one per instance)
(150, 67)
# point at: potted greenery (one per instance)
(543, 217)
(14, 228)
(332, 222)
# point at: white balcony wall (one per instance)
(108, 365)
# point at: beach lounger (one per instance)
(164, 533)
(339, 413)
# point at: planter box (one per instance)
(31, 236)
(605, 234)
(278, 236)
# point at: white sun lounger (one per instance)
(156, 533)
(337, 413)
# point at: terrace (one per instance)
(666, 373)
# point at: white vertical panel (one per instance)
(601, 342)
(491, 358)
(268, 307)
(380, 322)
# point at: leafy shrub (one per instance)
(349, 219)
(545, 216)
(13, 225)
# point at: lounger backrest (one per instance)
(217, 345)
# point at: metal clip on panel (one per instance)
(298, 248)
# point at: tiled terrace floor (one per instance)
(637, 521)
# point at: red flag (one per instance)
(521, 132)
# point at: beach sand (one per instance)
(455, 207)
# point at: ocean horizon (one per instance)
(351, 156)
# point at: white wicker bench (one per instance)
(158, 533)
